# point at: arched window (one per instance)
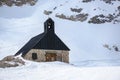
(34, 56)
(49, 27)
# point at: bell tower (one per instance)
(49, 25)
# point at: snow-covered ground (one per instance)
(59, 71)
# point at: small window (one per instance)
(34, 56)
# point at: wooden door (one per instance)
(50, 57)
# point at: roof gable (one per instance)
(51, 42)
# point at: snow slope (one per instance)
(59, 71)
(89, 59)
(85, 40)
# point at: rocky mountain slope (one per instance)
(90, 28)
(78, 12)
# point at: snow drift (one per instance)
(59, 71)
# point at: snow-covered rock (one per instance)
(11, 61)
